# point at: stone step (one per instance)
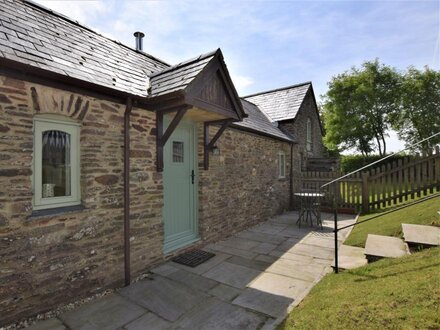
(378, 247)
(350, 257)
(421, 235)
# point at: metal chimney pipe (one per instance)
(139, 35)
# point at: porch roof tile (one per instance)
(178, 76)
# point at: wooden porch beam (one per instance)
(161, 136)
(209, 145)
(176, 120)
(159, 147)
(225, 125)
(205, 146)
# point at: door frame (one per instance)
(194, 207)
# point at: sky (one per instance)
(271, 44)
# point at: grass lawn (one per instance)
(399, 293)
(424, 213)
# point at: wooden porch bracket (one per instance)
(161, 136)
(209, 145)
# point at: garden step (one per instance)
(420, 234)
(350, 257)
(378, 246)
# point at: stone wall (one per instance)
(241, 187)
(298, 128)
(48, 260)
(51, 260)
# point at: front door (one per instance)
(180, 187)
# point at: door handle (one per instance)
(192, 176)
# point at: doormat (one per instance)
(193, 258)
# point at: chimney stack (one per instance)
(139, 35)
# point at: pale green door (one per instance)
(180, 187)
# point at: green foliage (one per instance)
(351, 163)
(358, 107)
(419, 117)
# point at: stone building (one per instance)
(295, 110)
(111, 160)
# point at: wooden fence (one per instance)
(381, 187)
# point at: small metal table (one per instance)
(310, 204)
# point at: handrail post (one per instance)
(336, 239)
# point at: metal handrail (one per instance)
(335, 215)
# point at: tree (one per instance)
(359, 107)
(419, 115)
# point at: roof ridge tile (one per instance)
(184, 63)
(279, 89)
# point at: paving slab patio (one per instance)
(225, 292)
(167, 298)
(421, 234)
(108, 313)
(232, 274)
(260, 237)
(255, 279)
(379, 246)
(148, 321)
(216, 314)
(350, 257)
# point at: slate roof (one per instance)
(259, 122)
(37, 36)
(281, 104)
(178, 76)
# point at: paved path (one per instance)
(255, 279)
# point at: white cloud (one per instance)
(82, 11)
(241, 82)
(394, 144)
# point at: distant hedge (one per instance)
(351, 163)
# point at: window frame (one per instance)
(173, 154)
(281, 165)
(42, 124)
(309, 136)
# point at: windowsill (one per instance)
(282, 179)
(55, 211)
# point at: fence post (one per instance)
(437, 167)
(365, 193)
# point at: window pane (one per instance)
(283, 165)
(282, 160)
(56, 164)
(177, 152)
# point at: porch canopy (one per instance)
(199, 89)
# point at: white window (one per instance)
(56, 163)
(281, 165)
(309, 141)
